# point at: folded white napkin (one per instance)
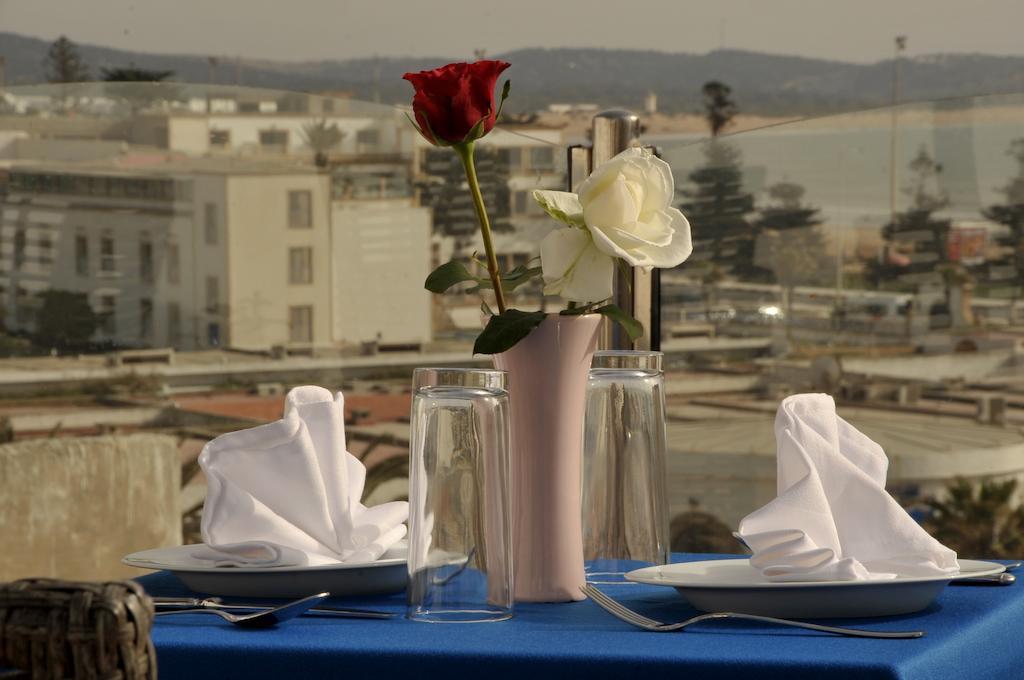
(832, 518)
(288, 493)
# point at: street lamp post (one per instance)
(899, 46)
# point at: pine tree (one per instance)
(916, 241)
(63, 63)
(791, 244)
(717, 208)
(443, 190)
(1010, 214)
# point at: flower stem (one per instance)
(465, 152)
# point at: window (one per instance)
(107, 258)
(210, 224)
(220, 138)
(108, 310)
(146, 261)
(19, 249)
(300, 265)
(274, 140)
(367, 140)
(81, 254)
(300, 209)
(173, 264)
(22, 306)
(511, 158)
(213, 334)
(542, 158)
(520, 202)
(300, 324)
(212, 294)
(145, 318)
(173, 324)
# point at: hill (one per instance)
(766, 84)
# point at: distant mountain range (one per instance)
(762, 83)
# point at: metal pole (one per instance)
(899, 45)
(615, 131)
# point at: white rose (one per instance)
(626, 206)
(574, 268)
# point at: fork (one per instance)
(619, 611)
(261, 619)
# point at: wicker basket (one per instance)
(61, 630)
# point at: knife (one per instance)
(215, 603)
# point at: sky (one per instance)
(859, 30)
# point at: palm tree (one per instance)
(321, 137)
(719, 108)
(978, 519)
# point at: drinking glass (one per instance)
(460, 545)
(625, 507)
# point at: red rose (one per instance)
(450, 101)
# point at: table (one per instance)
(972, 632)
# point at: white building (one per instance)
(188, 254)
(365, 130)
(381, 256)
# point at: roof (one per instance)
(918, 445)
(160, 163)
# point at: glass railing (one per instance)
(876, 256)
(174, 256)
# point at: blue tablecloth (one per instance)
(972, 632)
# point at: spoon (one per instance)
(264, 619)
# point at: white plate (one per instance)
(386, 575)
(733, 585)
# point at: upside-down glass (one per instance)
(460, 549)
(625, 509)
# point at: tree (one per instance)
(916, 243)
(717, 208)
(442, 188)
(1011, 214)
(63, 64)
(792, 244)
(978, 519)
(139, 87)
(702, 532)
(131, 74)
(719, 108)
(65, 319)
(321, 138)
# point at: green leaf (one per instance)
(476, 132)
(511, 280)
(504, 330)
(486, 308)
(634, 329)
(504, 95)
(431, 137)
(446, 276)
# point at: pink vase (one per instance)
(548, 372)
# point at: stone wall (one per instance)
(73, 507)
